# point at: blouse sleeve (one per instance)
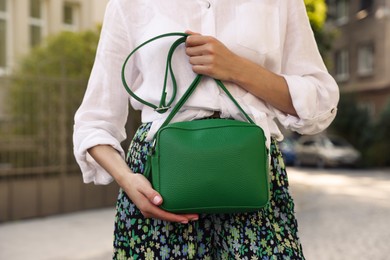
(313, 90)
(101, 118)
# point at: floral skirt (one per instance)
(270, 233)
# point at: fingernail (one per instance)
(194, 219)
(157, 200)
(184, 222)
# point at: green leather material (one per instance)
(211, 166)
(205, 166)
(164, 105)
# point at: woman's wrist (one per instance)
(123, 178)
(239, 70)
(109, 158)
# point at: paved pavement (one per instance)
(77, 236)
(342, 215)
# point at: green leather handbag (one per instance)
(205, 166)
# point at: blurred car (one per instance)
(287, 147)
(325, 151)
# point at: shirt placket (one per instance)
(208, 17)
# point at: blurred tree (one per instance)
(62, 60)
(353, 121)
(316, 10)
(317, 13)
(379, 148)
(371, 136)
(47, 88)
(69, 54)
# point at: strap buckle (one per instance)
(162, 110)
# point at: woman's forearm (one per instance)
(208, 56)
(109, 158)
(262, 83)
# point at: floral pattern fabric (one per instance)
(270, 233)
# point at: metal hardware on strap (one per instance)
(162, 110)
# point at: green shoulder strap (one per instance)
(164, 106)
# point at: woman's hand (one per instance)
(210, 57)
(147, 200)
(136, 186)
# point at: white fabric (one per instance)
(273, 33)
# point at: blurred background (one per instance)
(340, 179)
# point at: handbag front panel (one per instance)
(201, 166)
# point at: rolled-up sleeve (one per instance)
(313, 90)
(101, 118)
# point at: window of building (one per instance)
(366, 60)
(35, 9)
(71, 16)
(3, 43)
(35, 35)
(68, 14)
(3, 34)
(3, 5)
(342, 65)
(366, 5)
(342, 11)
(36, 22)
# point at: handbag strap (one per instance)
(164, 106)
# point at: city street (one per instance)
(342, 215)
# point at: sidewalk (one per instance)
(342, 215)
(78, 236)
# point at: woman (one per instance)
(265, 53)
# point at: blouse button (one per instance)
(208, 4)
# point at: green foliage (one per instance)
(46, 90)
(67, 54)
(371, 138)
(378, 152)
(317, 13)
(61, 62)
(353, 122)
(316, 10)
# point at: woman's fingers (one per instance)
(196, 51)
(201, 60)
(153, 196)
(191, 32)
(148, 200)
(152, 211)
(205, 42)
(208, 56)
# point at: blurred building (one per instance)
(24, 23)
(361, 50)
(38, 174)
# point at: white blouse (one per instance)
(273, 33)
